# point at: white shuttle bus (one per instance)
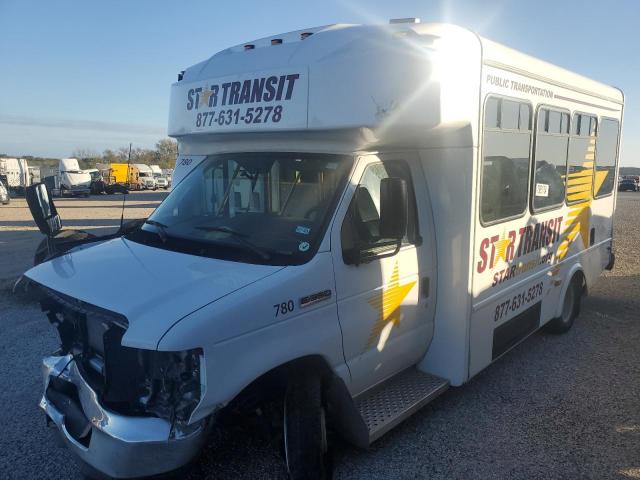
(362, 217)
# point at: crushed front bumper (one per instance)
(117, 445)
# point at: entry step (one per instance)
(396, 399)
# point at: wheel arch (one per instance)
(575, 270)
(346, 418)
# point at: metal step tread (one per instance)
(396, 399)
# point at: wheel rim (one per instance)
(286, 441)
(323, 431)
(567, 306)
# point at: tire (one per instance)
(570, 308)
(305, 432)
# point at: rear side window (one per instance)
(505, 162)
(606, 153)
(550, 170)
(581, 157)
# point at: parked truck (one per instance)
(34, 175)
(67, 179)
(358, 221)
(125, 174)
(15, 174)
(147, 180)
(160, 178)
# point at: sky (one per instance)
(94, 75)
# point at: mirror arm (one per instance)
(390, 254)
(356, 257)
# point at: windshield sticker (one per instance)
(303, 246)
(542, 190)
(303, 230)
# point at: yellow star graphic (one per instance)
(501, 249)
(204, 97)
(387, 302)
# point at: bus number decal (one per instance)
(284, 307)
(518, 301)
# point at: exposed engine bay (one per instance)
(127, 381)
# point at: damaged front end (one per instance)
(125, 411)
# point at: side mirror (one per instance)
(394, 208)
(42, 209)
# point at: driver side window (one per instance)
(360, 232)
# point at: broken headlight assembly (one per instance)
(128, 381)
(152, 383)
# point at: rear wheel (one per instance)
(305, 431)
(570, 307)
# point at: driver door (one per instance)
(382, 294)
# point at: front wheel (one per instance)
(305, 431)
(570, 308)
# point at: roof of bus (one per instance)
(401, 83)
(336, 34)
(500, 55)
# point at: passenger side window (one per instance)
(505, 162)
(360, 232)
(606, 153)
(551, 144)
(581, 157)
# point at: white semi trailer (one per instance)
(14, 172)
(362, 217)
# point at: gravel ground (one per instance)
(556, 407)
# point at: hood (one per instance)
(70, 180)
(153, 288)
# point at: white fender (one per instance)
(576, 267)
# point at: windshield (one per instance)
(254, 207)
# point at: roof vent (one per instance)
(180, 75)
(276, 41)
(249, 46)
(304, 35)
(405, 20)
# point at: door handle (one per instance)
(424, 287)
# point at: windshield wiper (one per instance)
(240, 237)
(161, 231)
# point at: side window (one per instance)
(606, 151)
(505, 162)
(360, 233)
(551, 144)
(581, 155)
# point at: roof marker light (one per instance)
(304, 35)
(249, 46)
(276, 41)
(405, 20)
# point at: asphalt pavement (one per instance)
(555, 407)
